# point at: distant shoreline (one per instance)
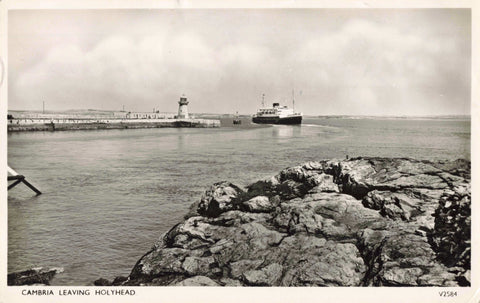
(440, 117)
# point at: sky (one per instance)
(338, 61)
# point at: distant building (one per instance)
(182, 108)
(144, 115)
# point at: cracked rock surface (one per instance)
(356, 222)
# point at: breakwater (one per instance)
(18, 125)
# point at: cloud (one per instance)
(138, 72)
(362, 53)
(358, 68)
(372, 68)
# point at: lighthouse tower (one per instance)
(182, 108)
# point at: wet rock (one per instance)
(356, 222)
(34, 276)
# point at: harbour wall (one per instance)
(17, 125)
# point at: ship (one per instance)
(276, 115)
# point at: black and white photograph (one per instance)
(284, 148)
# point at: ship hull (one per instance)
(277, 120)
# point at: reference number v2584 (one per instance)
(447, 294)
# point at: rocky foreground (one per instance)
(357, 222)
(34, 276)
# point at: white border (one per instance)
(250, 294)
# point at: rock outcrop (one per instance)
(34, 276)
(357, 222)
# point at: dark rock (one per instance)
(451, 235)
(221, 197)
(370, 243)
(102, 282)
(192, 210)
(395, 205)
(119, 280)
(356, 222)
(32, 276)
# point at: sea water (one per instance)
(108, 195)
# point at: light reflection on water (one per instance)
(109, 194)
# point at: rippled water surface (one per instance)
(108, 195)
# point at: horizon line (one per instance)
(206, 113)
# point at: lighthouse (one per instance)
(182, 108)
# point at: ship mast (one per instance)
(263, 100)
(293, 99)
